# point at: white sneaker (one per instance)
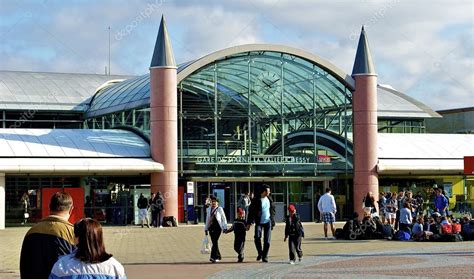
(161, 227)
(333, 238)
(218, 260)
(292, 262)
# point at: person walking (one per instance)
(294, 233)
(216, 223)
(143, 206)
(262, 214)
(90, 260)
(240, 231)
(244, 202)
(47, 240)
(327, 207)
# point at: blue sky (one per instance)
(422, 48)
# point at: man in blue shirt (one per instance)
(440, 202)
(262, 213)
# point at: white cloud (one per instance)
(423, 48)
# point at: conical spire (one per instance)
(363, 64)
(163, 53)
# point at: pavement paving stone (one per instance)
(175, 253)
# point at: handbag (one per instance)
(206, 246)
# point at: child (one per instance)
(240, 231)
(294, 230)
(419, 232)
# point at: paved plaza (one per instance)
(175, 253)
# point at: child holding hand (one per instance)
(294, 231)
(240, 231)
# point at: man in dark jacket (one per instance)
(143, 205)
(47, 240)
(262, 213)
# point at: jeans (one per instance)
(294, 247)
(267, 234)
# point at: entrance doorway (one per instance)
(303, 194)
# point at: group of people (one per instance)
(54, 248)
(261, 214)
(156, 205)
(392, 205)
(404, 217)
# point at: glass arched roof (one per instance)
(230, 73)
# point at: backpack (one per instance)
(450, 238)
(169, 221)
(387, 231)
(296, 228)
(352, 230)
(446, 229)
(403, 235)
(368, 228)
(456, 228)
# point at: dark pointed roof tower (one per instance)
(363, 64)
(163, 53)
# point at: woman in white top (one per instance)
(90, 260)
(215, 224)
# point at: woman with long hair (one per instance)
(89, 260)
(369, 203)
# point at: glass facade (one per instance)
(261, 116)
(250, 114)
(405, 126)
(257, 114)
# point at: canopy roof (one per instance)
(74, 151)
(300, 70)
(423, 153)
(49, 91)
(331, 85)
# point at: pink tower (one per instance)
(164, 120)
(365, 125)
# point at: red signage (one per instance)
(469, 165)
(77, 197)
(324, 159)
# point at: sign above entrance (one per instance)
(256, 160)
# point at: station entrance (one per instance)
(303, 194)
